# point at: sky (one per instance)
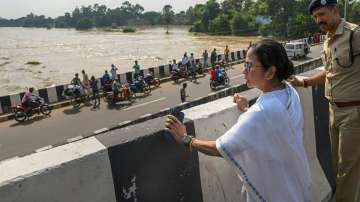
(12, 9)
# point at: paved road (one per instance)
(65, 123)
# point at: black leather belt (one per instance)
(346, 104)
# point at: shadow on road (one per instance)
(30, 121)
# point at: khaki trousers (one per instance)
(344, 125)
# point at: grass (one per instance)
(33, 63)
(129, 29)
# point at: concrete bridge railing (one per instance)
(141, 163)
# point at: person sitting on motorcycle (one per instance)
(106, 82)
(116, 88)
(212, 74)
(28, 100)
(218, 73)
(174, 66)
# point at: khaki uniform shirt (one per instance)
(342, 83)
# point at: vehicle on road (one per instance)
(151, 80)
(23, 113)
(76, 95)
(125, 94)
(296, 50)
(224, 81)
(140, 86)
(181, 73)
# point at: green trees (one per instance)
(278, 18)
(229, 17)
(167, 16)
(84, 24)
(101, 16)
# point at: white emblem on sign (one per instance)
(323, 2)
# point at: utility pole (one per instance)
(346, 9)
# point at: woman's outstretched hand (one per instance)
(242, 102)
(176, 128)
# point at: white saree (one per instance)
(266, 148)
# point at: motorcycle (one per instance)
(177, 74)
(76, 95)
(223, 81)
(23, 113)
(140, 86)
(151, 80)
(125, 94)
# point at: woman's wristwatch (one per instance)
(187, 140)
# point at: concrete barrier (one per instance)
(141, 163)
(75, 172)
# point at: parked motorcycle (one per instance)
(76, 95)
(23, 113)
(177, 74)
(151, 80)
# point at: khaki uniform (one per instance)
(343, 85)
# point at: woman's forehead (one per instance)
(251, 55)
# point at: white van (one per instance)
(297, 50)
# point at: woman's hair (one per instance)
(271, 53)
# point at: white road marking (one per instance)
(100, 131)
(74, 139)
(145, 115)
(124, 122)
(143, 104)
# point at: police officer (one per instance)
(341, 58)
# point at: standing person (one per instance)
(342, 88)
(185, 61)
(76, 80)
(213, 57)
(193, 69)
(183, 94)
(265, 146)
(137, 70)
(113, 72)
(206, 57)
(226, 53)
(86, 84)
(192, 57)
(95, 91)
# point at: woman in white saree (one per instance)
(266, 144)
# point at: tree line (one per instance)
(278, 18)
(98, 15)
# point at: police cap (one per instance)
(315, 4)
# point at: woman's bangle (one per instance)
(190, 145)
